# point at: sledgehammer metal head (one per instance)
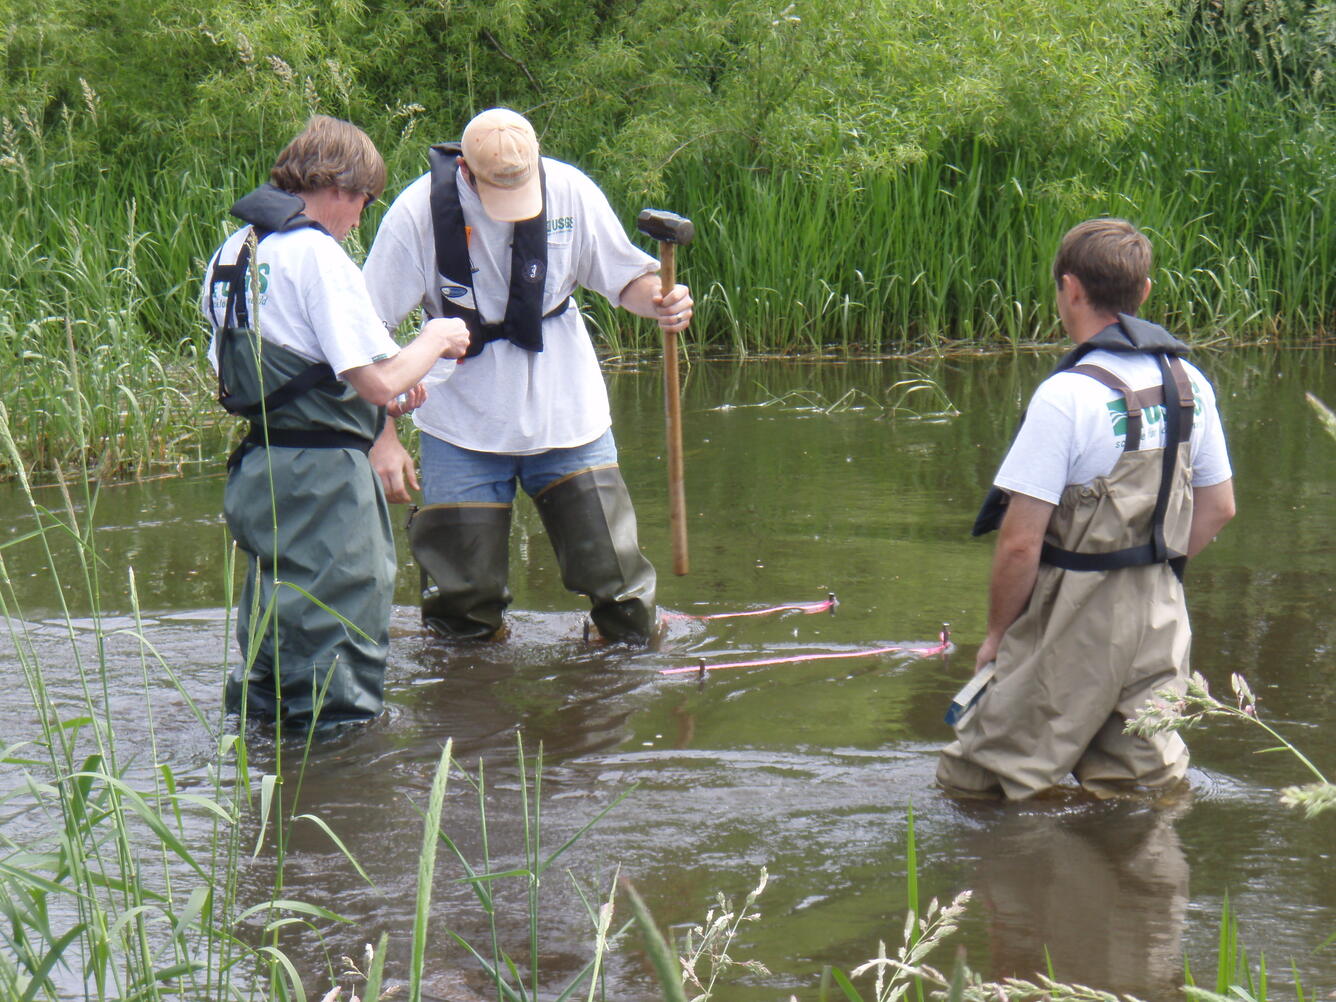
(671, 231)
(665, 227)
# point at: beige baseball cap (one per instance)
(501, 152)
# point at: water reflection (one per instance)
(1100, 893)
(804, 768)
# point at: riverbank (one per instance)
(836, 222)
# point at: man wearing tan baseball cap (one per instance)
(501, 156)
(501, 237)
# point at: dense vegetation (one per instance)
(878, 176)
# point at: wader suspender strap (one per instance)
(236, 316)
(297, 438)
(1177, 429)
(522, 324)
(1137, 400)
(995, 502)
(1127, 333)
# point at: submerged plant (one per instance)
(1324, 413)
(896, 405)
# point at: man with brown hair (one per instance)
(1117, 475)
(302, 355)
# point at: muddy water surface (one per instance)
(806, 769)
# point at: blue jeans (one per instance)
(451, 475)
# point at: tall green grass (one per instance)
(520, 978)
(124, 881)
(1229, 177)
(91, 899)
(95, 322)
(958, 247)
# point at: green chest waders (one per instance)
(309, 515)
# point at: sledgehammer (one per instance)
(671, 230)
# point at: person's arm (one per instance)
(400, 265)
(642, 297)
(1212, 508)
(380, 382)
(393, 465)
(1015, 568)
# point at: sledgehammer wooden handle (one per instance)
(670, 230)
(672, 407)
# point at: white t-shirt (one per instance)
(508, 399)
(313, 299)
(1075, 428)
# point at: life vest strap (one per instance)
(522, 322)
(236, 318)
(481, 335)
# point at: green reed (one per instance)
(125, 881)
(105, 268)
(84, 896)
(519, 978)
(958, 246)
(1229, 175)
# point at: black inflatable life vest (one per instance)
(1127, 335)
(269, 209)
(522, 324)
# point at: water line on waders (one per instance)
(942, 646)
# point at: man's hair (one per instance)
(1111, 257)
(330, 153)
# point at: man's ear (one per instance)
(1073, 287)
(1145, 292)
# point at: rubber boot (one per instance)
(591, 523)
(463, 552)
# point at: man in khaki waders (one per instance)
(1117, 475)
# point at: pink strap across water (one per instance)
(806, 608)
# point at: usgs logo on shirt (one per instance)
(221, 291)
(561, 224)
(1152, 418)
